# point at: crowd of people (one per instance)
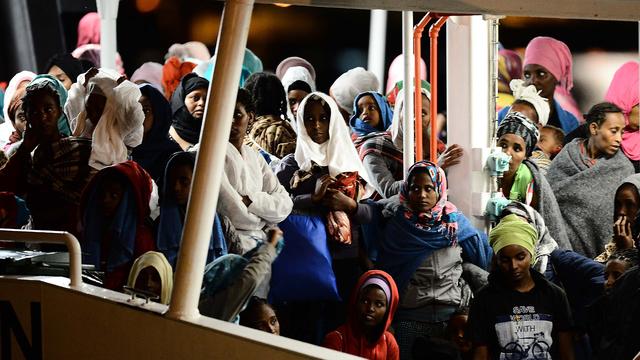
(318, 234)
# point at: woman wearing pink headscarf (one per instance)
(88, 46)
(548, 66)
(623, 91)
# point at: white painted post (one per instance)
(377, 45)
(407, 109)
(108, 10)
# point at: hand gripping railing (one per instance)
(51, 237)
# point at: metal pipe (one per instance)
(232, 40)
(51, 237)
(407, 109)
(108, 11)
(377, 41)
(493, 22)
(433, 36)
(417, 94)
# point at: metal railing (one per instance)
(51, 237)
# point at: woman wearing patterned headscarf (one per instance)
(517, 136)
(425, 234)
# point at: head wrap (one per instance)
(15, 104)
(396, 125)
(518, 124)
(18, 81)
(193, 51)
(380, 283)
(509, 68)
(348, 85)
(47, 81)
(173, 71)
(337, 153)
(623, 91)
(396, 72)
(443, 211)
(295, 74)
(89, 29)
(361, 128)
(532, 96)
(251, 64)
(183, 122)
(295, 61)
(70, 65)
(157, 261)
(553, 55)
(512, 230)
(149, 72)
(89, 56)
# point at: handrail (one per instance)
(417, 93)
(51, 237)
(433, 36)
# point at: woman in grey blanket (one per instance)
(586, 174)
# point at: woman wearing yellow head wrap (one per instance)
(153, 273)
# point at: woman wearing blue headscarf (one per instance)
(49, 167)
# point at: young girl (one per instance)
(151, 272)
(115, 224)
(260, 315)
(372, 305)
(519, 314)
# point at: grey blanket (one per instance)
(585, 194)
(548, 207)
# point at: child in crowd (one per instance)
(617, 264)
(456, 329)
(152, 273)
(519, 314)
(260, 315)
(372, 306)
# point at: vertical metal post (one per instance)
(201, 209)
(377, 44)
(407, 109)
(108, 11)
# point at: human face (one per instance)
(541, 78)
(612, 271)
(548, 143)
(148, 113)
(372, 306)
(608, 137)
(295, 97)
(369, 111)
(94, 107)
(110, 196)
(514, 262)
(180, 182)
(149, 280)
(422, 193)
(43, 115)
(457, 326)
(56, 72)
(267, 321)
(240, 122)
(527, 110)
(20, 120)
(514, 146)
(627, 202)
(195, 102)
(316, 121)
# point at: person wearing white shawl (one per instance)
(298, 82)
(19, 80)
(250, 194)
(348, 85)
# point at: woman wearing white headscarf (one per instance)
(18, 82)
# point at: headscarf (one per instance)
(184, 123)
(295, 61)
(512, 230)
(173, 71)
(509, 68)
(337, 153)
(518, 124)
(359, 127)
(170, 223)
(149, 72)
(348, 85)
(17, 82)
(553, 55)
(251, 64)
(531, 95)
(295, 74)
(354, 340)
(442, 212)
(397, 132)
(193, 51)
(157, 261)
(623, 91)
(103, 83)
(91, 53)
(67, 63)
(15, 104)
(89, 29)
(156, 147)
(47, 81)
(396, 72)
